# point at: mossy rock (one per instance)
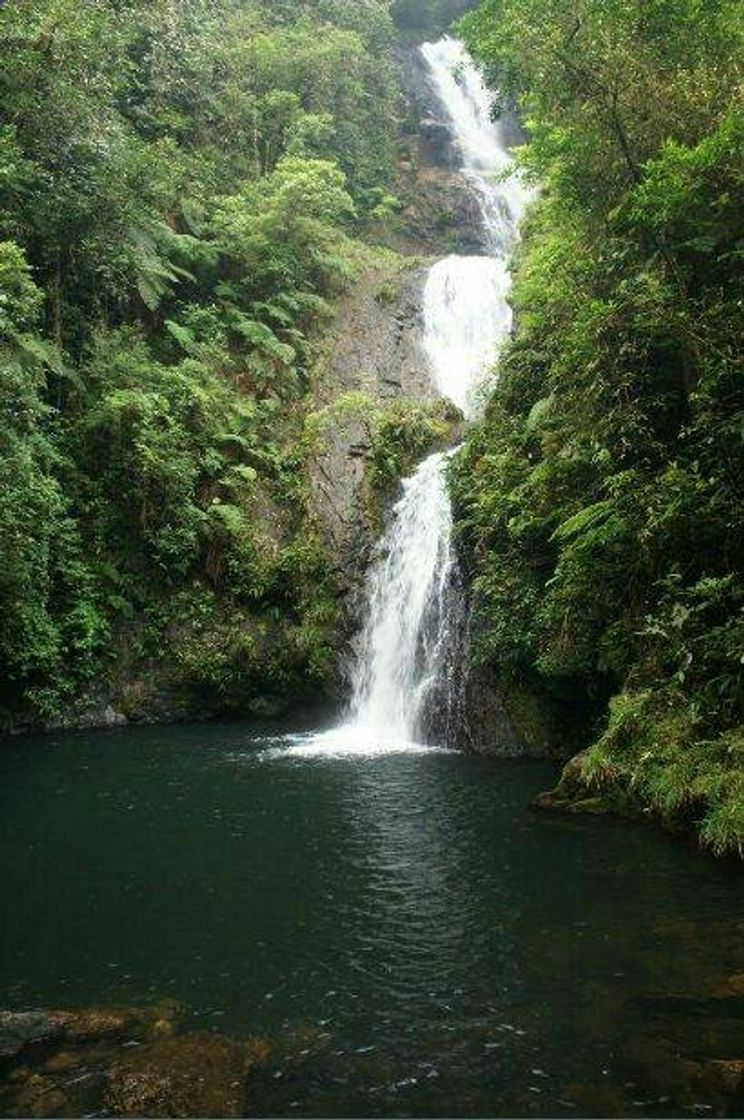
(532, 718)
(574, 794)
(41, 1097)
(545, 727)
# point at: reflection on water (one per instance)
(437, 947)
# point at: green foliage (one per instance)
(50, 627)
(403, 433)
(599, 500)
(654, 743)
(180, 186)
(20, 299)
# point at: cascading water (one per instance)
(414, 613)
(480, 141)
(411, 617)
(466, 313)
(405, 680)
(465, 317)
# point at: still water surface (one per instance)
(440, 948)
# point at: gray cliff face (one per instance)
(440, 213)
(487, 727)
(374, 347)
(491, 726)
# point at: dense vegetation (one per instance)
(181, 182)
(600, 501)
(186, 185)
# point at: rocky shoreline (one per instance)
(125, 1061)
(132, 1062)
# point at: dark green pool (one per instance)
(455, 952)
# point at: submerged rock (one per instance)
(726, 1075)
(64, 1061)
(93, 1024)
(122, 1061)
(54, 1062)
(720, 1083)
(41, 1097)
(96, 1023)
(731, 987)
(19, 1029)
(194, 1075)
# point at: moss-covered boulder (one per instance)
(575, 794)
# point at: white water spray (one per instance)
(466, 316)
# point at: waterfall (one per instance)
(407, 651)
(485, 160)
(409, 618)
(466, 313)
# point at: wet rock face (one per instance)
(437, 142)
(423, 109)
(487, 728)
(374, 348)
(440, 213)
(505, 718)
(377, 337)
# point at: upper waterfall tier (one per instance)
(466, 309)
(484, 154)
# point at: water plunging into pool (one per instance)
(414, 606)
